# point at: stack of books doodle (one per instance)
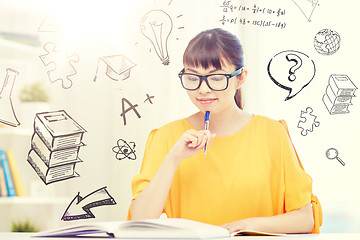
(339, 94)
(55, 146)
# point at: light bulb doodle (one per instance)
(156, 26)
(7, 113)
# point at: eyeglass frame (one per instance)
(205, 78)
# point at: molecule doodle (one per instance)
(124, 150)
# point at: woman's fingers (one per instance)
(190, 143)
(198, 139)
(202, 140)
(210, 137)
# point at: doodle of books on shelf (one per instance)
(55, 146)
(339, 93)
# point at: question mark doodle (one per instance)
(282, 68)
(298, 63)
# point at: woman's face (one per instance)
(207, 99)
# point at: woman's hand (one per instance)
(296, 221)
(190, 143)
(151, 201)
(244, 224)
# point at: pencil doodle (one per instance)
(124, 150)
(7, 112)
(292, 71)
(80, 207)
(117, 67)
(308, 121)
(55, 145)
(156, 26)
(327, 42)
(332, 153)
(307, 7)
(339, 93)
(62, 64)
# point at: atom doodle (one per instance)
(124, 150)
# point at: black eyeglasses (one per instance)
(216, 82)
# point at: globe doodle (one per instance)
(327, 42)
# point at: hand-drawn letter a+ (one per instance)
(124, 111)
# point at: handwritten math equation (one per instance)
(254, 15)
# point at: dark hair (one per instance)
(210, 47)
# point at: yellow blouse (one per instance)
(252, 173)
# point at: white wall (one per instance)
(112, 27)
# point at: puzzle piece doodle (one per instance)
(62, 64)
(308, 121)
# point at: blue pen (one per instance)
(206, 121)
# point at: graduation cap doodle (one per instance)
(117, 67)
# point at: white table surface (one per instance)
(322, 236)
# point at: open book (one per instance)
(171, 228)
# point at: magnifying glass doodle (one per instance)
(332, 154)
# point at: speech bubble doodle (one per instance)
(289, 76)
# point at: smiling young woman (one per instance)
(250, 177)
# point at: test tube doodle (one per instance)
(7, 113)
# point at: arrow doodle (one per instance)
(79, 207)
